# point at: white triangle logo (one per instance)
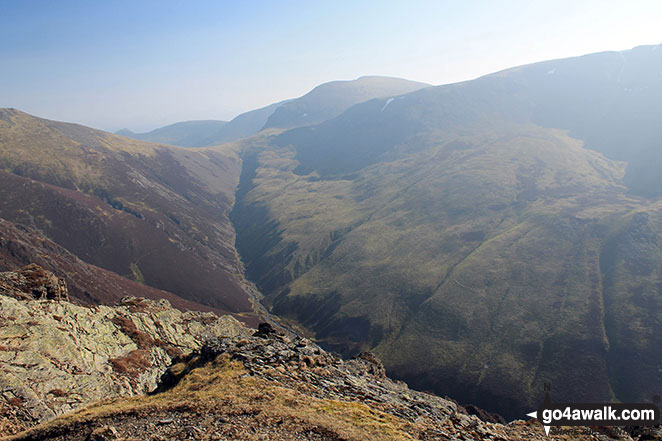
(535, 415)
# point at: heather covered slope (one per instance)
(469, 238)
(153, 213)
(87, 284)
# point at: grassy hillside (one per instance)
(153, 213)
(467, 234)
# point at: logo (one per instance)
(595, 414)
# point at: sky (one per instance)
(143, 64)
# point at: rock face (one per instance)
(274, 387)
(32, 281)
(56, 356)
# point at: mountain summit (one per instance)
(323, 102)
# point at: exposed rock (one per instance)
(105, 433)
(56, 356)
(276, 387)
(33, 282)
(484, 415)
(264, 330)
(224, 381)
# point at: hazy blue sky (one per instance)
(142, 64)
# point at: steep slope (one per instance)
(608, 100)
(88, 284)
(272, 387)
(57, 356)
(184, 134)
(467, 234)
(153, 213)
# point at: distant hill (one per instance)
(331, 99)
(323, 102)
(184, 134)
(483, 238)
(245, 125)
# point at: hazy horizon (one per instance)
(116, 64)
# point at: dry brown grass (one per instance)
(224, 387)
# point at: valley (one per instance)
(483, 238)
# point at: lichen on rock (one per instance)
(56, 356)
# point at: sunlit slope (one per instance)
(156, 214)
(480, 236)
(481, 267)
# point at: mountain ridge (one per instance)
(322, 102)
(483, 238)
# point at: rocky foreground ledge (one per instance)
(273, 387)
(56, 356)
(224, 382)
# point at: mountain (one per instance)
(152, 213)
(323, 102)
(331, 99)
(184, 134)
(483, 238)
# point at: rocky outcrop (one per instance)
(56, 356)
(194, 375)
(271, 386)
(33, 282)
